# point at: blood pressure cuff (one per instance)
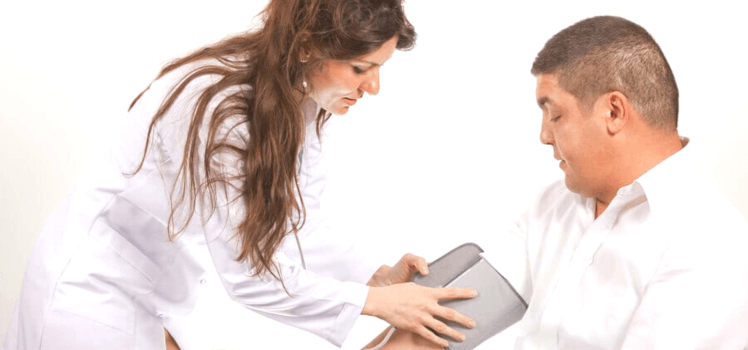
(497, 306)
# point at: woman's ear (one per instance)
(304, 55)
(304, 50)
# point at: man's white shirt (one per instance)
(663, 267)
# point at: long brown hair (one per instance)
(269, 61)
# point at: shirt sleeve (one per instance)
(510, 256)
(322, 305)
(697, 297)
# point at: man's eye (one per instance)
(555, 118)
(358, 70)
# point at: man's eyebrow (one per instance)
(542, 101)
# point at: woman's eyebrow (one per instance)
(369, 63)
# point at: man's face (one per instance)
(577, 137)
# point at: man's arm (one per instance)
(171, 344)
(401, 340)
(696, 300)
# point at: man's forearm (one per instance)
(402, 340)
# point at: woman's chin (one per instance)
(339, 110)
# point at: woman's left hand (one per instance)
(402, 272)
(414, 308)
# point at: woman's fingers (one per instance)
(411, 307)
(417, 263)
(425, 333)
(455, 293)
(441, 328)
(405, 268)
(454, 316)
(449, 313)
(413, 264)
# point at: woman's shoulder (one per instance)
(186, 83)
(200, 73)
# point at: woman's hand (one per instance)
(413, 308)
(402, 272)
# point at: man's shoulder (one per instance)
(695, 202)
(695, 212)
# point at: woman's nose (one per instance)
(371, 83)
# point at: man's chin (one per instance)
(571, 185)
(580, 190)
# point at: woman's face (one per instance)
(339, 84)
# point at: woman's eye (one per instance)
(358, 70)
(555, 118)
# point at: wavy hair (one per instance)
(268, 60)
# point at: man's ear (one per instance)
(618, 108)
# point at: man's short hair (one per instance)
(604, 54)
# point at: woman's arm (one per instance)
(322, 305)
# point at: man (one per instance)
(634, 249)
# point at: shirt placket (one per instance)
(567, 285)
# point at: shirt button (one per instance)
(203, 281)
(160, 315)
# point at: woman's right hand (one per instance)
(413, 308)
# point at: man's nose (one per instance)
(546, 137)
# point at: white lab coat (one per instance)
(103, 274)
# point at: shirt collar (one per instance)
(665, 180)
(658, 184)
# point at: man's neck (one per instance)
(636, 161)
(600, 208)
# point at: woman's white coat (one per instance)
(105, 275)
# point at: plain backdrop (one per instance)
(447, 153)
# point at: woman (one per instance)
(231, 163)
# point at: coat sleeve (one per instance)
(326, 251)
(322, 305)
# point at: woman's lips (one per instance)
(349, 101)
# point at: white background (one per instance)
(447, 153)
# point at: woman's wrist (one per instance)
(371, 307)
(379, 278)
